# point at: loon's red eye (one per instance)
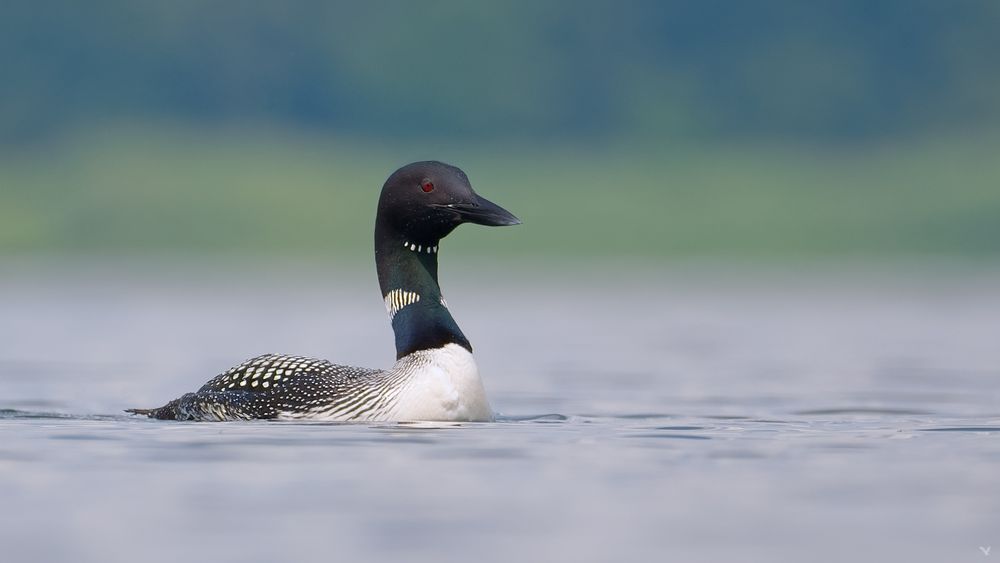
(427, 186)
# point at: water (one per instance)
(701, 415)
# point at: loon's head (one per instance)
(424, 201)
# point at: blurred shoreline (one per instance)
(138, 190)
(350, 272)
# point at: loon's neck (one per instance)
(407, 276)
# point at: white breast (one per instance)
(441, 384)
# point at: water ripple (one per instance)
(862, 410)
(962, 429)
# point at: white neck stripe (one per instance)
(397, 299)
(418, 248)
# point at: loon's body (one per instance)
(440, 384)
(435, 376)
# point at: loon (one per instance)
(435, 377)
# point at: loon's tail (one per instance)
(166, 412)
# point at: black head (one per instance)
(425, 201)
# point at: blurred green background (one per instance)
(777, 130)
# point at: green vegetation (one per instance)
(138, 190)
(667, 128)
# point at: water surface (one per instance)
(701, 416)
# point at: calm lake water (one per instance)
(676, 415)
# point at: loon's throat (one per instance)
(407, 276)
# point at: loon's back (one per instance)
(270, 386)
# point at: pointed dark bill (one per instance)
(482, 212)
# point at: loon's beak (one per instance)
(482, 212)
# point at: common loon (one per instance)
(435, 376)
